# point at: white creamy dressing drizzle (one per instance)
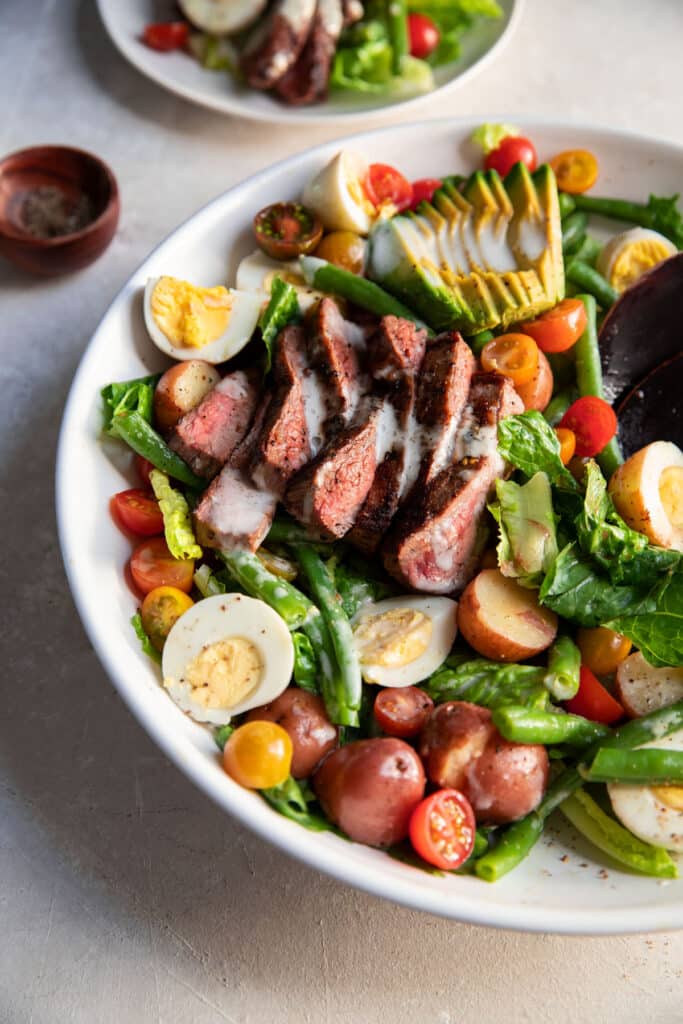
(297, 12)
(387, 431)
(332, 17)
(315, 409)
(476, 439)
(242, 506)
(414, 448)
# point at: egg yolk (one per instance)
(671, 494)
(634, 260)
(224, 673)
(393, 638)
(190, 316)
(672, 796)
(359, 197)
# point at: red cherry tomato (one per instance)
(424, 189)
(442, 829)
(423, 34)
(384, 184)
(143, 467)
(402, 710)
(559, 328)
(166, 35)
(138, 511)
(511, 151)
(594, 423)
(594, 701)
(152, 565)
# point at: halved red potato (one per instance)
(180, 389)
(503, 620)
(641, 688)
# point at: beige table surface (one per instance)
(125, 896)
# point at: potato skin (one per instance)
(456, 733)
(493, 640)
(303, 717)
(539, 390)
(641, 688)
(180, 389)
(369, 788)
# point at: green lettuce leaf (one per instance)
(489, 136)
(657, 631)
(222, 734)
(177, 523)
(527, 546)
(305, 663)
(147, 646)
(128, 396)
(282, 309)
(489, 683)
(355, 586)
(530, 443)
(666, 218)
(207, 583)
(292, 799)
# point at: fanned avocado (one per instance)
(485, 256)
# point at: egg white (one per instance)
(643, 813)
(256, 272)
(620, 244)
(244, 315)
(330, 194)
(218, 618)
(441, 611)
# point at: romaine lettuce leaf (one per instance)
(147, 646)
(128, 396)
(530, 443)
(658, 631)
(282, 309)
(489, 683)
(527, 546)
(489, 136)
(177, 524)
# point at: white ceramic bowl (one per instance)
(563, 886)
(125, 20)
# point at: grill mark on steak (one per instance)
(307, 80)
(275, 44)
(444, 384)
(333, 346)
(207, 436)
(397, 348)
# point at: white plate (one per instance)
(547, 893)
(179, 73)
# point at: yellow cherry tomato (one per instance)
(258, 755)
(576, 170)
(513, 355)
(602, 650)
(343, 248)
(160, 610)
(567, 439)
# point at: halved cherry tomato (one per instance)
(602, 650)
(512, 150)
(258, 755)
(559, 328)
(138, 511)
(144, 467)
(423, 34)
(152, 565)
(442, 829)
(576, 170)
(594, 701)
(402, 710)
(166, 35)
(384, 184)
(345, 249)
(513, 355)
(160, 611)
(594, 423)
(287, 230)
(424, 188)
(567, 439)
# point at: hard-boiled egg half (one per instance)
(402, 640)
(186, 321)
(337, 195)
(653, 813)
(627, 256)
(647, 491)
(257, 271)
(227, 654)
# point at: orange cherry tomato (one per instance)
(559, 328)
(138, 511)
(567, 439)
(384, 184)
(258, 755)
(152, 565)
(594, 701)
(593, 422)
(513, 355)
(602, 649)
(442, 829)
(576, 170)
(160, 611)
(537, 392)
(345, 249)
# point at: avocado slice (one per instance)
(535, 230)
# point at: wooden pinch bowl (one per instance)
(61, 171)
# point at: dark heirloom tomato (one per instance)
(402, 710)
(442, 829)
(138, 511)
(287, 230)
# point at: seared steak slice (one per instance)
(333, 353)
(207, 436)
(396, 349)
(328, 493)
(308, 78)
(283, 446)
(444, 384)
(233, 512)
(276, 42)
(433, 544)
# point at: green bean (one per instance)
(134, 429)
(248, 570)
(328, 278)
(586, 277)
(589, 379)
(588, 251)
(305, 663)
(331, 684)
(567, 204)
(477, 341)
(618, 209)
(574, 231)
(654, 726)
(526, 725)
(287, 531)
(322, 586)
(638, 767)
(397, 23)
(564, 663)
(558, 406)
(515, 843)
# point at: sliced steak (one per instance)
(434, 542)
(275, 44)
(444, 384)
(397, 348)
(307, 80)
(329, 492)
(333, 350)
(233, 512)
(207, 436)
(283, 446)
